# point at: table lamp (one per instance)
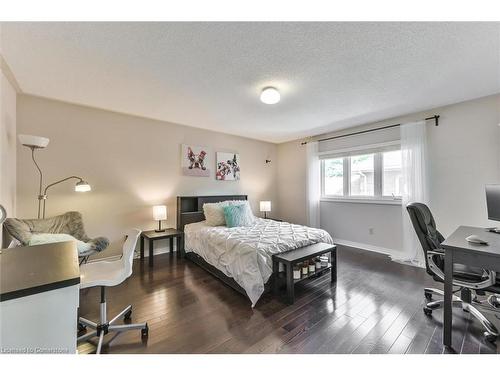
(160, 213)
(265, 206)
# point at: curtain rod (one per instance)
(435, 118)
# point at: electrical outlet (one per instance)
(370, 230)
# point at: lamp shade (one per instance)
(82, 186)
(265, 206)
(160, 212)
(33, 141)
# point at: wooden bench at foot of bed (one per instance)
(291, 258)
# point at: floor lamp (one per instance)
(34, 143)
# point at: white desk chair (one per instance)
(103, 274)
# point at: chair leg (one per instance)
(87, 323)
(434, 305)
(125, 311)
(86, 336)
(99, 345)
(104, 327)
(488, 326)
(433, 291)
(491, 333)
(127, 327)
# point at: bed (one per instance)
(241, 257)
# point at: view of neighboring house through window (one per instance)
(370, 175)
(362, 175)
(392, 173)
(334, 177)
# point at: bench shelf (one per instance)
(290, 258)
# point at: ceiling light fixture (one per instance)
(270, 95)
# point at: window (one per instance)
(368, 175)
(334, 177)
(391, 180)
(362, 175)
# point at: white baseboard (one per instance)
(161, 250)
(137, 254)
(364, 246)
(338, 241)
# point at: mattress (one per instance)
(245, 253)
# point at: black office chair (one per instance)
(467, 279)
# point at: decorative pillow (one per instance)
(238, 216)
(245, 203)
(214, 213)
(44, 238)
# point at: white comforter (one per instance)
(244, 253)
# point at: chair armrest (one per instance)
(489, 276)
(434, 252)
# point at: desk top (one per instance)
(457, 241)
(35, 269)
(153, 235)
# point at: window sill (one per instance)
(392, 202)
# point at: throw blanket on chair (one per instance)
(69, 223)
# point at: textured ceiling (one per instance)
(209, 75)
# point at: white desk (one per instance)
(459, 250)
(39, 297)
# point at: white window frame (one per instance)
(346, 154)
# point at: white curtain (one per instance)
(414, 186)
(313, 189)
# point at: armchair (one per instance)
(69, 223)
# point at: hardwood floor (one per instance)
(375, 307)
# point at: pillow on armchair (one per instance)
(44, 238)
(69, 223)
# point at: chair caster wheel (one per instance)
(81, 327)
(428, 296)
(490, 337)
(145, 331)
(427, 311)
(128, 315)
(493, 300)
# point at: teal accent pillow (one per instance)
(238, 216)
(44, 238)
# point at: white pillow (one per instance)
(214, 212)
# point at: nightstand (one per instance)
(153, 236)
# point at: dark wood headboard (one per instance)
(190, 209)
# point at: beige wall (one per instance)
(463, 156)
(134, 163)
(131, 163)
(292, 174)
(7, 146)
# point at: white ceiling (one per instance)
(209, 75)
